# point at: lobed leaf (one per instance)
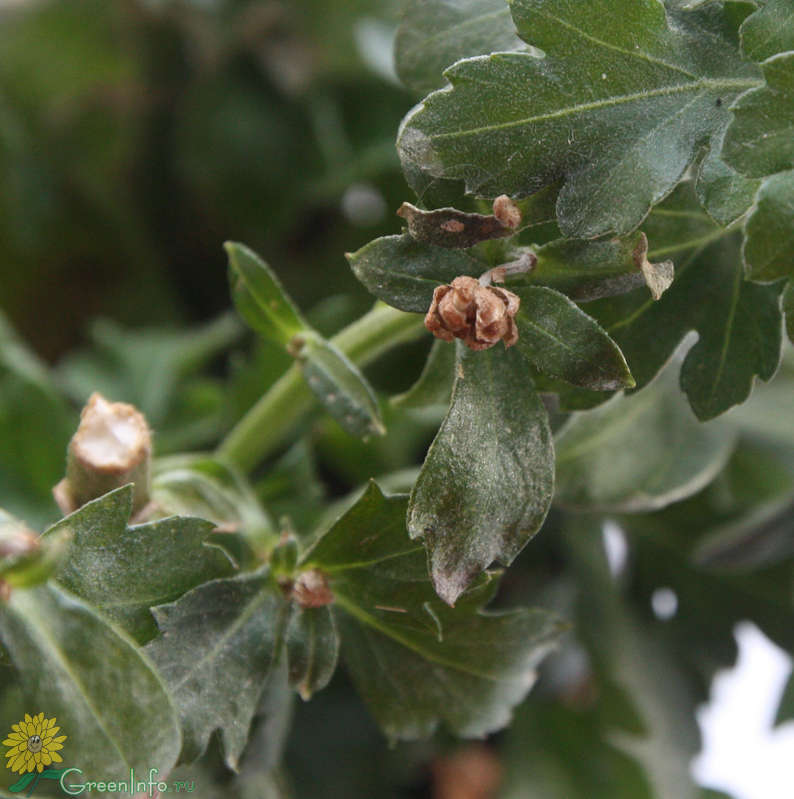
(619, 79)
(760, 140)
(638, 452)
(435, 33)
(219, 646)
(123, 570)
(768, 248)
(769, 30)
(738, 322)
(417, 662)
(487, 480)
(107, 699)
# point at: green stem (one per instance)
(271, 419)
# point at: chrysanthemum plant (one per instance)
(600, 240)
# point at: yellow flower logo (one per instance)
(33, 744)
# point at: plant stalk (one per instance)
(272, 418)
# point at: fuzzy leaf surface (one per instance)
(638, 452)
(435, 33)
(769, 230)
(122, 570)
(619, 78)
(434, 385)
(259, 296)
(760, 140)
(769, 30)
(219, 644)
(105, 695)
(562, 341)
(487, 480)
(738, 322)
(404, 273)
(340, 387)
(312, 643)
(416, 661)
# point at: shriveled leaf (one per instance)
(434, 386)
(435, 33)
(738, 322)
(618, 79)
(123, 570)
(768, 249)
(487, 480)
(450, 228)
(259, 297)
(106, 697)
(769, 30)
(312, 649)
(340, 387)
(218, 646)
(760, 140)
(639, 452)
(562, 341)
(417, 662)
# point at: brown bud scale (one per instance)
(479, 315)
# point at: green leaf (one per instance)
(638, 452)
(788, 309)
(123, 570)
(738, 322)
(107, 699)
(435, 33)
(312, 649)
(769, 30)
(404, 272)
(721, 190)
(259, 296)
(562, 341)
(35, 426)
(768, 249)
(487, 480)
(415, 661)
(629, 655)
(218, 646)
(434, 386)
(760, 140)
(618, 79)
(339, 386)
(587, 270)
(197, 485)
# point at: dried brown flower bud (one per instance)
(311, 590)
(480, 315)
(506, 211)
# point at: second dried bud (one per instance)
(479, 315)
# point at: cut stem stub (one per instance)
(112, 447)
